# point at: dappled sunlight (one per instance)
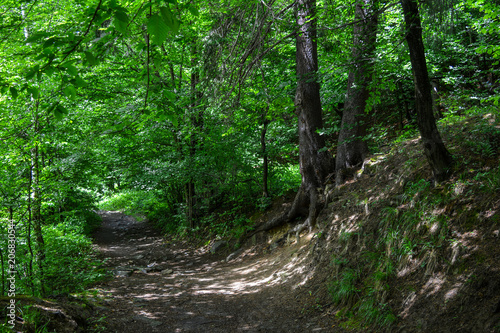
(433, 285)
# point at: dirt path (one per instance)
(160, 288)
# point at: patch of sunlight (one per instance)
(350, 225)
(408, 265)
(452, 293)
(407, 304)
(433, 285)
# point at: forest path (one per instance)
(164, 288)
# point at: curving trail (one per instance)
(160, 288)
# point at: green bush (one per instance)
(70, 263)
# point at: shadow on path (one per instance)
(166, 289)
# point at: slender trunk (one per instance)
(435, 151)
(37, 203)
(196, 119)
(28, 231)
(352, 148)
(3, 273)
(265, 166)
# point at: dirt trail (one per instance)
(164, 288)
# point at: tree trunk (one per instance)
(315, 162)
(352, 148)
(37, 204)
(436, 153)
(196, 119)
(265, 163)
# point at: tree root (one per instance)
(302, 200)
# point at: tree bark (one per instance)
(315, 162)
(438, 157)
(196, 119)
(265, 162)
(352, 148)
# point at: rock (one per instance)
(217, 246)
(167, 271)
(234, 254)
(148, 321)
(123, 273)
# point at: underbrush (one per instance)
(407, 225)
(70, 264)
(228, 221)
(221, 214)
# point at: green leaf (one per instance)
(71, 70)
(90, 58)
(170, 95)
(157, 29)
(62, 109)
(121, 21)
(36, 36)
(52, 107)
(169, 18)
(59, 110)
(121, 15)
(194, 10)
(70, 92)
(79, 82)
(32, 72)
(13, 92)
(58, 115)
(34, 92)
(49, 70)
(173, 119)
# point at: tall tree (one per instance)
(440, 160)
(315, 162)
(352, 149)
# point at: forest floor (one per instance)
(166, 286)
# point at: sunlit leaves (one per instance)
(170, 19)
(34, 92)
(160, 24)
(121, 20)
(70, 92)
(158, 29)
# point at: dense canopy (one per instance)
(196, 113)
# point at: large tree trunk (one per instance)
(436, 153)
(315, 162)
(352, 149)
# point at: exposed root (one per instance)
(301, 200)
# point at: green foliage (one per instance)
(343, 288)
(71, 265)
(33, 321)
(159, 107)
